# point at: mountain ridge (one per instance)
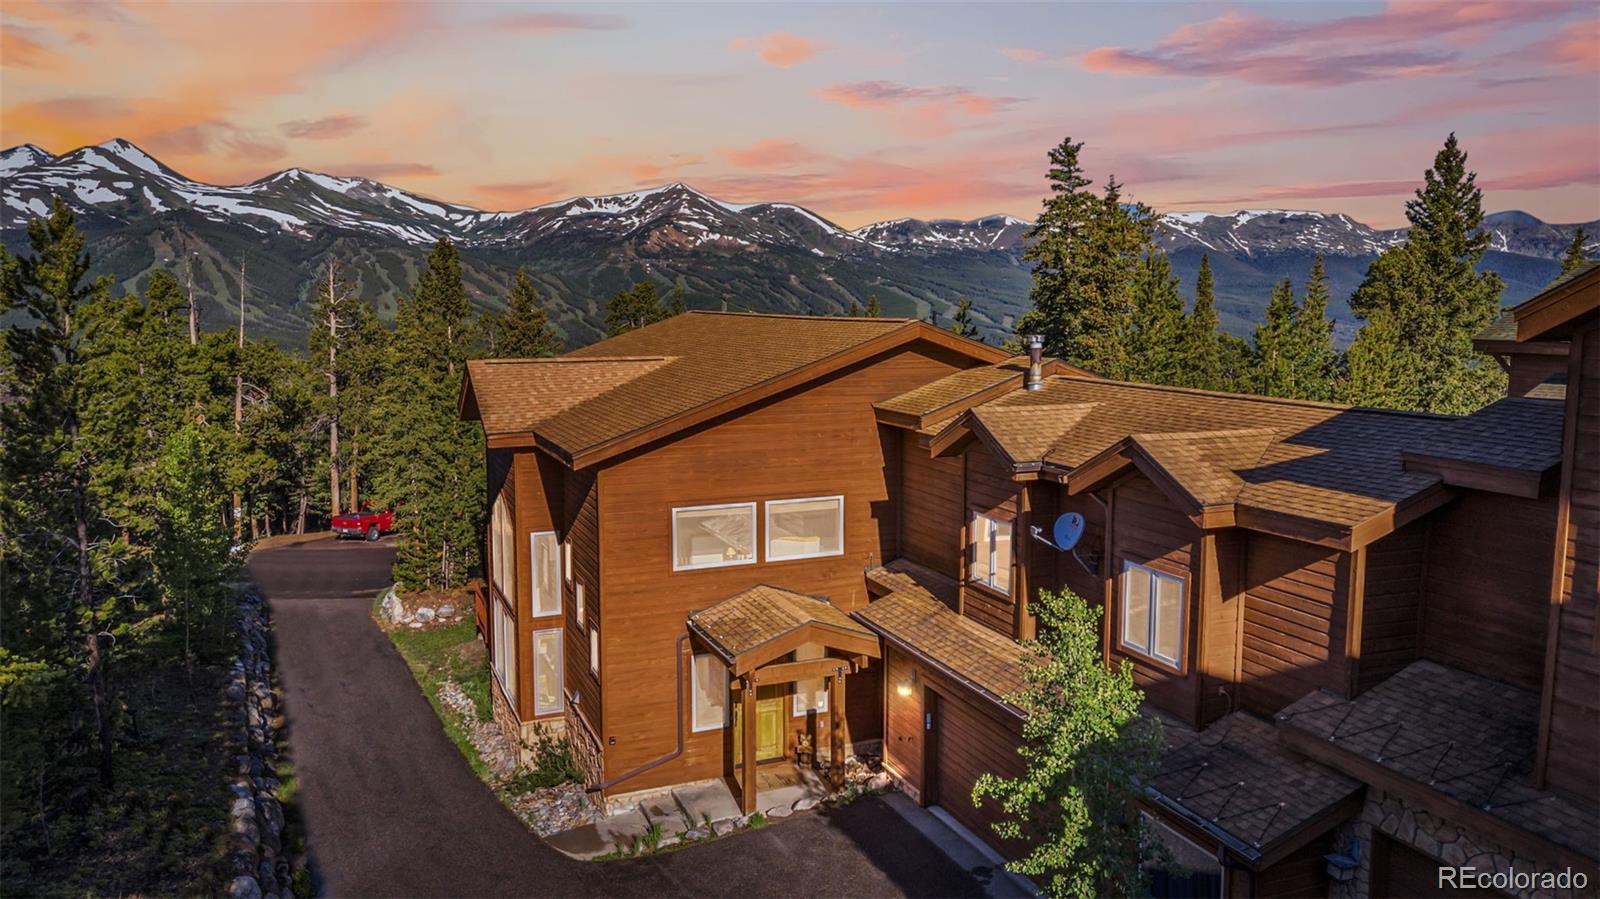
(767, 256)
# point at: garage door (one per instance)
(1400, 872)
(968, 739)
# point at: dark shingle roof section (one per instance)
(1317, 461)
(511, 396)
(763, 613)
(1466, 737)
(1518, 433)
(915, 621)
(904, 574)
(1502, 330)
(1239, 778)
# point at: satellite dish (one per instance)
(1068, 531)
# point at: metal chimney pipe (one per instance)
(1035, 362)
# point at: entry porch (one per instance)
(777, 643)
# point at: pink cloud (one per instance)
(381, 170)
(517, 194)
(1022, 54)
(1576, 45)
(541, 22)
(769, 154)
(780, 48)
(917, 111)
(326, 128)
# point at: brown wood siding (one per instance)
(1302, 874)
(821, 440)
(1488, 586)
(902, 728)
(1061, 569)
(1294, 613)
(972, 737)
(1391, 614)
(530, 513)
(989, 489)
(1572, 750)
(581, 520)
(1147, 530)
(1529, 370)
(1221, 608)
(930, 508)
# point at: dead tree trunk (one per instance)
(238, 403)
(333, 390)
(194, 314)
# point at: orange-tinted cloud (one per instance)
(919, 111)
(1576, 45)
(517, 194)
(20, 48)
(379, 170)
(1022, 54)
(780, 48)
(326, 128)
(561, 21)
(765, 154)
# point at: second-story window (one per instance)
(1153, 613)
(546, 573)
(991, 552)
(713, 536)
(805, 528)
(502, 549)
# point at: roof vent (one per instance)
(1035, 362)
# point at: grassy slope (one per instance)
(450, 653)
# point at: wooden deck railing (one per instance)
(480, 607)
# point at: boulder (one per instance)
(244, 887)
(425, 614)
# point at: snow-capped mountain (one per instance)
(141, 214)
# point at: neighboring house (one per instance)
(1370, 635)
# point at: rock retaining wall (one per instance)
(255, 818)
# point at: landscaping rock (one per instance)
(425, 614)
(805, 804)
(447, 611)
(244, 887)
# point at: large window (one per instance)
(505, 647)
(594, 651)
(1153, 613)
(547, 671)
(991, 552)
(502, 549)
(713, 536)
(805, 528)
(810, 695)
(709, 689)
(546, 573)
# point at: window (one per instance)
(709, 688)
(547, 671)
(805, 528)
(546, 576)
(810, 695)
(566, 560)
(991, 553)
(1153, 613)
(713, 536)
(505, 645)
(578, 603)
(502, 549)
(594, 650)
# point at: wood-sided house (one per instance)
(680, 518)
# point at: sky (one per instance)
(859, 112)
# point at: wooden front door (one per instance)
(769, 725)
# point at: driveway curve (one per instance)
(390, 808)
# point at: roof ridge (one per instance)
(796, 315)
(1256, 398)
(569, 358)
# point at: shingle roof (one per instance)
(944, 397)
(513, 395)
(922, 625)
(904, 574)
(1316, 461)
(1236, 776)
(1520, 433)
(763, 613)
(1502, 329)
(1467, 737)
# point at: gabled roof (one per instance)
(964, 649)
(1313, 471)
(757, 625)
(511, 396)
(1547, 314)
(955, 393)
(1511, 446)
(707, 364)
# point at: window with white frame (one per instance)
(713, 536)
(546, 573)
(810, 695)
(547, 671)
(505, 647)
(805, 528)
(990, 540)
(578, 609)
(1153, 613)
(566, 559)
(709, 687)
(502, 548)
(594, 650)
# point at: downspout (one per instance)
(683, 641)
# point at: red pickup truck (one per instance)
(365, 523)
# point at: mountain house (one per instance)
(1370, 636)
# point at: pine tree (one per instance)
(1273, 357)
(524, 330)
(1086, 751)
(855, 309)
(1054, 245)
(1311, 353)
(1381, 366)
(1156, 337)
(1576, 253)
(192, 548)
(962, 324)
(636, 307)
(873, 309)
(1201, 352)
(1117, 235)
(1434, 301)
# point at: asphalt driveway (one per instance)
(390, 808)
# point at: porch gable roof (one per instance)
(751, 628)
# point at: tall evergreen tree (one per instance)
(1576, 253)
(1201, 351)
(1311, 353)
(855, 309)
(423, 458)
(873, 309)
(636, 307)
(1054, 244)
(192, 552)
(1274, 371)
(962, 324)
(523, 331)
(1155, 340)
(1434, 301)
